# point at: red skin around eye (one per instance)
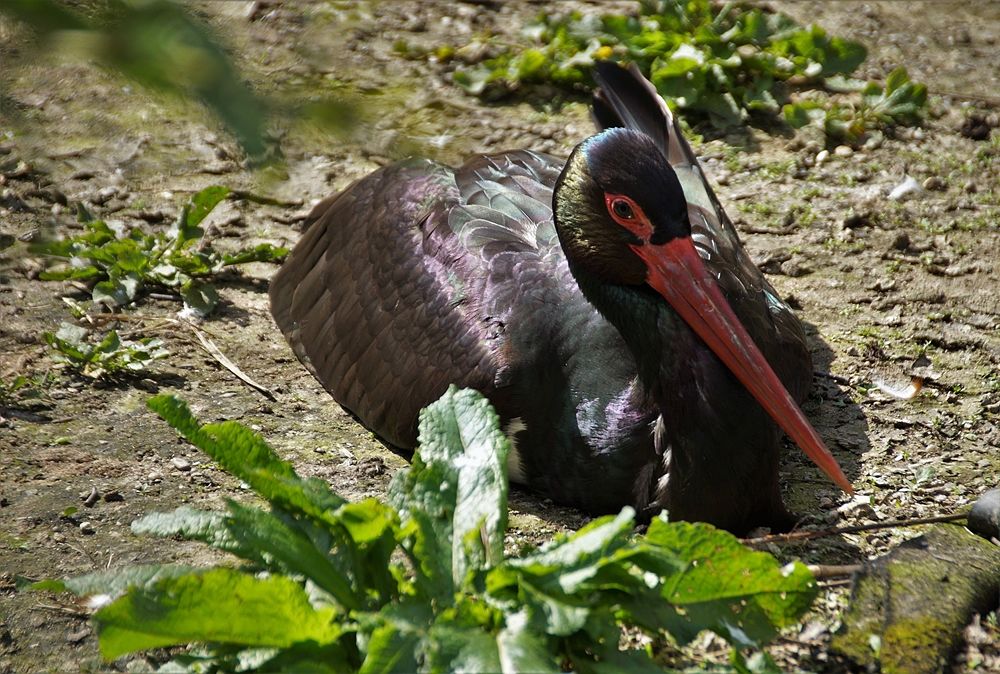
(638, 224)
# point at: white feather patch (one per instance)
(515, 473)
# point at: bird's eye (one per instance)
(622, 209)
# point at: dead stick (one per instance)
(992, 100)
(264, 200)
(795, 536)
(221, 358)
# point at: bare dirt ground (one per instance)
(879, 282)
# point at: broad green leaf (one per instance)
(458, 648)
(201, 297)
(741, 594)
(114, 582)
(257, 536)
(74, 273)
(264, 252)
(366, 521)
(896, 79)
(246, 455)
(72, 334)
(555, 615)
(70, 342)
(220, 605)
(189, 523)
(109, 344)
(111, 293)
(455, 493)
(800, 114)
(522, 650)
(397, 635)
(573, 557)
(390, 651)
(481, 500)
(302, 659)
(529, 64)
(201, 205)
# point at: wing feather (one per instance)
(402, 284)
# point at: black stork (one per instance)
(604, 304)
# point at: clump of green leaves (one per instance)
(900, 102)
(108, 355)
(122, 263)
(20, 389)
(719, 63)
(422, 583)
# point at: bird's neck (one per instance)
(723, 446)
(658, 339)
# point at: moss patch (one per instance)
(909, 607)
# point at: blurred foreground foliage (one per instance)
(160, 45)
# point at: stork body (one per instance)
(543, 284)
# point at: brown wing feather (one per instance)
(369, 299)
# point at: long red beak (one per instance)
(677, 272)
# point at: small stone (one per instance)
(874, 141)
(794, 268)
(104, 195)
(843, 151)
(975, 127)
(860, 504)
(113, 496)
(984, 518)
(970, 187)
(901, 242)
(822, 156)
(934, 183)
(78, 636)
(86, 528)
(855, 220)
(180, 463)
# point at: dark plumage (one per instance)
(420, 276)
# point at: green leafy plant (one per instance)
(20, 389)
(422, 583)
(108, 355)
(900, 102)
(720, 63)
(122, 263)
